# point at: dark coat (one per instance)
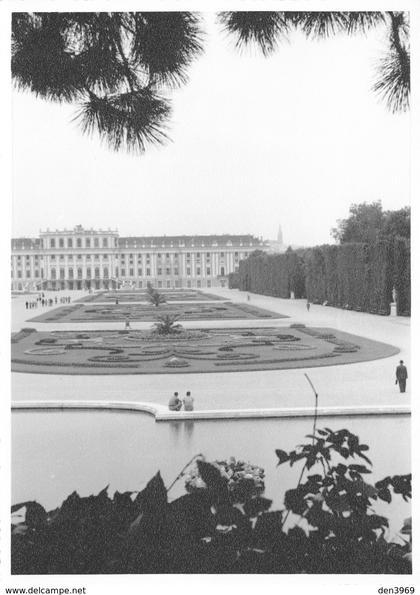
(401, 372)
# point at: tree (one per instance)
(167, 324)
(368, 222)
(397, 223)
(115, 66)
(267, 29)
(363, 225)
(154, 296)
(119, 67)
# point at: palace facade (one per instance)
(101, 259)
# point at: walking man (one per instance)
(401, 376)
(308, 305)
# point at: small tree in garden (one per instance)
(167, 325)
(154, 297)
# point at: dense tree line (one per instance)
(356, 276)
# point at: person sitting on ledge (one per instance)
(188, 402)
(175, 403)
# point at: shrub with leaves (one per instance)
(328, 523)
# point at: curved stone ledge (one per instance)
(161, 412)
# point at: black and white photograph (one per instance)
(210, 276)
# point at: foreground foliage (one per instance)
(119, 68)
(224, 524)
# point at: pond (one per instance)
(57, 452)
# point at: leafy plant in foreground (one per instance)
(328, 523)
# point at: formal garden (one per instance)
(169, 348)
(148, 312)
(141, 295)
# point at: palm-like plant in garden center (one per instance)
(119, 68)
(167, 324)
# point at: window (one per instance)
(188, 271)
(176, 272)
(96, 242)
(52, 243)
(97, 273)
(140, 272)
(87, 256)
(140, 284)
(79, 242)
(222, 254)
(70, 257)
(131, 272)
(96, 256)
(53, 274)
(168, 271)
(147, 256)
(116, 271)
(198, 271)
(106, 273)
(28, 274)
(198, 254)
(70, 273)
(79, 273)
(36, 273)
(87, 242)
(53, 257)
(79, 257)
(61, 257)
(105, 256)
(88, 272)
(198, 283)
(236, 254)
(19, 274)
(61, 243)
(188, 254)
(105, 243)
(222, 270)
(62, 273)
(70, 243)
(122, 272)
(147, 272)
(159, 271)
(167, 255)
(42, 273)
(159, 284)
(208, 283)
(168, 284)
(159, 255)
(208, 271)
(208, 255)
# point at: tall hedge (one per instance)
(355, 276)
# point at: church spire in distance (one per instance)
(280, 236)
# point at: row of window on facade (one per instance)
(105, 274)
(89, 243)
(122, 256)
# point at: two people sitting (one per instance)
(175, 403)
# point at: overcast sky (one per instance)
(293, 139)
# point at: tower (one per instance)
(280, 236)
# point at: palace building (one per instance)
(101, 259)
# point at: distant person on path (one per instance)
(127, 322)
(248, 297)
(308, 305)
(401, 376)
(188, 402)
(26, 305)
(175, 403)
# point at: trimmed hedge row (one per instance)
(354, 276)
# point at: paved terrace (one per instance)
(353, 385)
